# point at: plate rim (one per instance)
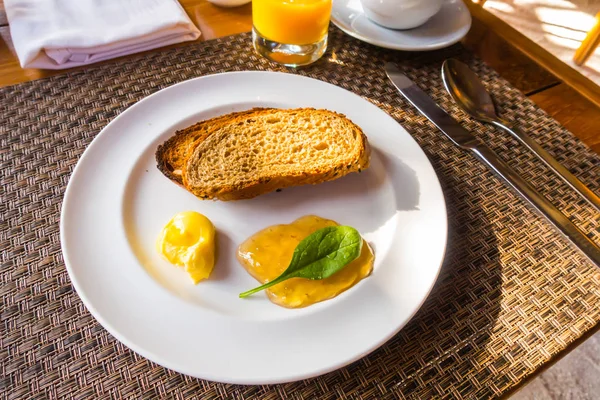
(148, 353)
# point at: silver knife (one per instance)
(465, 140)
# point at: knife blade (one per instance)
(466, 140)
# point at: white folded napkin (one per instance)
(56, 34)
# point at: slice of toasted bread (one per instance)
(257, 152)
(171, 155)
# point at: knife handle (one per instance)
(554, 215)
(551, 162)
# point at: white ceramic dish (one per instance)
(117, 202)
(400, 14)
(445, 28)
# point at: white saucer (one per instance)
(445, 28)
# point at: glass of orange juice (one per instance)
(290, 32)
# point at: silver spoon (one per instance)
(469, 92)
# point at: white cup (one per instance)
(400, 14)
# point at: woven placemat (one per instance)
(512, 293)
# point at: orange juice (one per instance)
(297, 22)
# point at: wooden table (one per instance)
(565, 104)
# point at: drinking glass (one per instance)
(290, 32)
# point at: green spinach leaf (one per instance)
(320, 255)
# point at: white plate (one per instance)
(117, 202)
(445, 28)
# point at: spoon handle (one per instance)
(551, 162)
(554, 215)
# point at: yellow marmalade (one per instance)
(268, 253)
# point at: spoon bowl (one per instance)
(468, 91)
